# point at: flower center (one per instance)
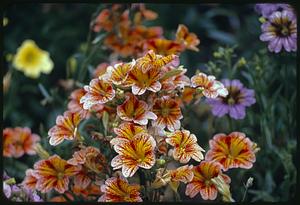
(30, 57)
(60, 175)
(165, 111)
(231, 101)
(284, 31)
(207, 182)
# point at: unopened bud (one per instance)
(217, 54)
(262, 20)
(160, 162)
(43, 154)
(249, 182)
(242, 62)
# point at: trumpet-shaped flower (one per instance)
(168, 113)
(119, 190)
(126, 132)
(118, 73)
(235, 103)
(31, 60)
(232, 151)
(18, 141)
(74, 104)
(185, 146)
(183, 174)
(134, 110)
(211, 87)
(163, 46)
(202, 180)
(54, 173)
(189, 40)
(98, 92)
(133, 154)
(153, 61)
(65, 128)
(91, 158)
(30, 180)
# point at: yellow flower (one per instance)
(32, 60)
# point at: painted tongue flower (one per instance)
(280, 31)
(18, 141)
(30, 180)
(211, 87)
(154, 61)
(118, 73)
(98, 92)
(189, 40)
(65, 128)
(232, 151)
(267, 9)
(134, 110)
(133, 154)
(74, 104)
(235, 102)
(54, 173)
(126, 132)
(163, 46)
(202, 180)
(168, 113)
(185, 146)
(119, 190)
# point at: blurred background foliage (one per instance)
(227, 32)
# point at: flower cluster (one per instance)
(279, 26)
(129, 37)
(140, 103)
(19, 141)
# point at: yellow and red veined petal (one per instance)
(102, 21)
(141, 81)
(202, 183)
(119, 72)
(53, 173)
(163, 46)
(156, 62)
(168, 113)
(185, 146)
(126, 131)
(134, 110)
(190, 40)
(8, 140)
(78, 157)
(119, 190)
(183, 174)
(74, 104)
(30, 180)
(138, 152)
(98, 92)
(65, 128)
(211, 87)
(82, 180)
(232, 151)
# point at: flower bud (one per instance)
(43, 154)
(242, 62)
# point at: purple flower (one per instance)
(6, 190)
(235, 102)
(280, 31)
(267, 9)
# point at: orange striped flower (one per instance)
(133, 154)
(74, 104)
(54, 173)
(168, 113)
(98, 92)
(65, 128)
(185, 146)
(18, 141)
(163, 46)
(134, 110)
(126, 132)
(118, 73)
(182, 174)
(189, 40)
(211, 87)
(30, 180)
(119, 190)
(175, 81)
(82, 179)
(91, 158)
(202, 183)
(88, 193)
(153, 61)
(232, 151)
(102, 21)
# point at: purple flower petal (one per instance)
(220, 110)
(237, 112)
(236, 84)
